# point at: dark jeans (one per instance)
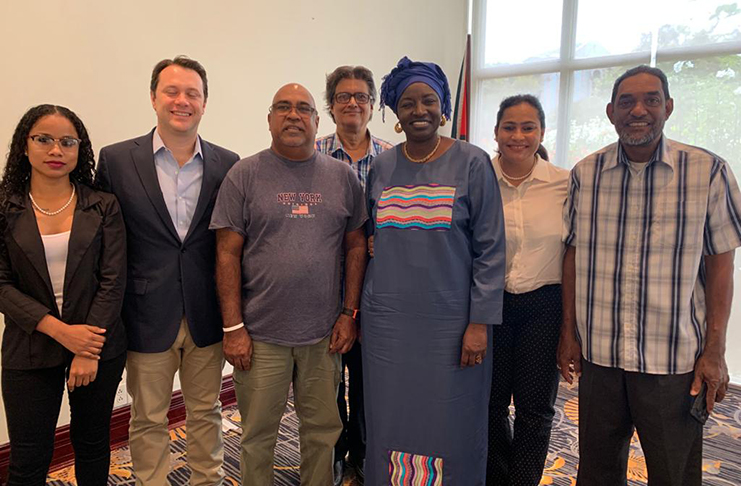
(32, 402)
(612, 402)
(352, 439)
(524, 369)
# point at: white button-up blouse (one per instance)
(533, 226)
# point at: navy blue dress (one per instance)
(439, 264)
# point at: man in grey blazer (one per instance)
(166, 182)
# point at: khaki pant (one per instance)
(149, 381)
(261, 395)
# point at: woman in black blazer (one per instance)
(62, 279)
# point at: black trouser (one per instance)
(32, 402)
(524, 369)
(612, 402)
(352, 439)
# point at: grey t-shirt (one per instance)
(293, 217)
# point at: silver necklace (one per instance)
(501, 166)
(53, 213)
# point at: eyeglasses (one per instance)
(360, 98)
(284, 108)
(45, 141)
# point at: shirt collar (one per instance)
(158, 144)
(336, 144)
(662, 154)
(540, 172)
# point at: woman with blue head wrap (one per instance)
(433, 287)
(419, 95)
(407, 72)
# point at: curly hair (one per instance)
(17, 173)
(360, 73)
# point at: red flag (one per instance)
(461, 114)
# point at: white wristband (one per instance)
(233, 328)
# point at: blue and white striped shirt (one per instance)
(640, 238)
(332, 146)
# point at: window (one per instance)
(569, 53)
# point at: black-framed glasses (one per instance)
(284, 108)
(45, 141)
(360, 98)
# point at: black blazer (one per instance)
(168, 279)
(94, 280)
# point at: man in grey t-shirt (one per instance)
(282, 217)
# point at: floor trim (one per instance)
(64, 455)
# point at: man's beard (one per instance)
(646, 139)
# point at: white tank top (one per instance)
(55, 248)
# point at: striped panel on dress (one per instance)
(406, 469)
(426, 207)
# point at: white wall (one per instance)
(95, 57)
(733, 357)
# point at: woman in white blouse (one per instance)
(524, 352)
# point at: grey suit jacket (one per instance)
(94, 280)
(167, 278)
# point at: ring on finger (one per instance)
(478, 359)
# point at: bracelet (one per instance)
(353, 313)
(233, 328)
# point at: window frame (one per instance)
(567, 66)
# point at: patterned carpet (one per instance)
(721, 463)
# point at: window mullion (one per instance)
(566, 84)
(478, 40)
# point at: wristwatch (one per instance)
(353, 313)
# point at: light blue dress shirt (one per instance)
(180, 186)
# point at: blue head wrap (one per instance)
(407, 72)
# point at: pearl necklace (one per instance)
(426, 157)
(501, 166)
(53, 213)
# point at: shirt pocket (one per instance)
(678, 222)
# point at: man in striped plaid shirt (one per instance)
(651, 225)
(349, 96)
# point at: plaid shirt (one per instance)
(640, 238)
(331, 145)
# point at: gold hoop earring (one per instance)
(443, 121)
(397, 127)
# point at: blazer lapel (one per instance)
(25, 232)
(143, 158)
(208, 185)
(85, 226)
